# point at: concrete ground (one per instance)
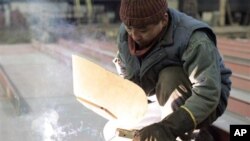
(49, 110)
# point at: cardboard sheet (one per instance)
(106, 93)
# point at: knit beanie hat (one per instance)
(142, 12)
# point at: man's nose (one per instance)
(136, 35)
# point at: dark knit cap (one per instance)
(142, 12)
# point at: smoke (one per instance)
(50, 86)
(48, 20)
(47, 125)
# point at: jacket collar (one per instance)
(168, 39)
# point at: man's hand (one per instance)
(120, 67)
(175, 124)
(154, 132)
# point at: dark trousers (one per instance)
(174, 85)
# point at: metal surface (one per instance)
(45, 85)
(126, 133)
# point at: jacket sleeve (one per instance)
(201, 63)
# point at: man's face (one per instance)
(144, 35)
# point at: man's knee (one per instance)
(172, 80)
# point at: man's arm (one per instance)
(201, 62)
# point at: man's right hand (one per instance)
(175, 124)
(154, 132)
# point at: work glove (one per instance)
(174, 125)
(154, 132)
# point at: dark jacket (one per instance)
(187, 43)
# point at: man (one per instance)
(175, 57)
